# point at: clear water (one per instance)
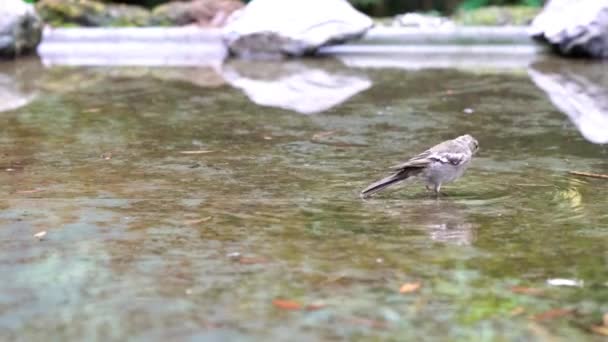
(142, 239)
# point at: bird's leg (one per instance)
(437, 189)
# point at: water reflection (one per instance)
(296, 85)
(580, 90)
(447, 222)
(444, 219)
(18, 83)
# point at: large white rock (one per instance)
(579, 90)
(574, 27)
(270, 28)
(20, 28)
(295, 85)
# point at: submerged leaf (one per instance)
(322, 135)
(410, 287)
(196, 221)
(552, 314)
(372, 323)
(527, 290)
(286, 304)
(315, 306)
(252, 260)
(517, 311)
(196, 152)
(32, 191)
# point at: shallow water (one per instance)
(147, 242)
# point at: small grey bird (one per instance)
(442, 163)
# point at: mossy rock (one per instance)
(207, 13)
(496, 16)
(91, 13)
(175, 13)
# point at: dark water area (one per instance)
(179, 203)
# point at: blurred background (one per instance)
(392, 7)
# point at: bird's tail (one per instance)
(388, 181)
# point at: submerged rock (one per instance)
(208, 13)
(295, 85)
(91, 13)
(274, 28)
(20, 28)
(574, 27)
(579, 90)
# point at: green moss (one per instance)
(67, 13)
(496, 16)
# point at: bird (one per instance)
(442, 163)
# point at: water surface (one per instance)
(175, 207)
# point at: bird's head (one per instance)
(470, 142)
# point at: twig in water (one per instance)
(587, 174)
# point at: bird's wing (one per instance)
(427, 157)
(447, 157)
(420, 160)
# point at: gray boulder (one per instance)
(20, 28)
(574, 27)
(274, 28)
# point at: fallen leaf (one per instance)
(527, 290)
(315, 306)
(605, 319)
(32, 191)
(372, 323)
(196, 152)
(517, 311)
(600, 329)
(286, 304)
(323, 135)
(252, 260)
(540, 332)
(266, 137)
(410, 287)
(552, 314)
(212, 325)
(40, 234)
(196, 221)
